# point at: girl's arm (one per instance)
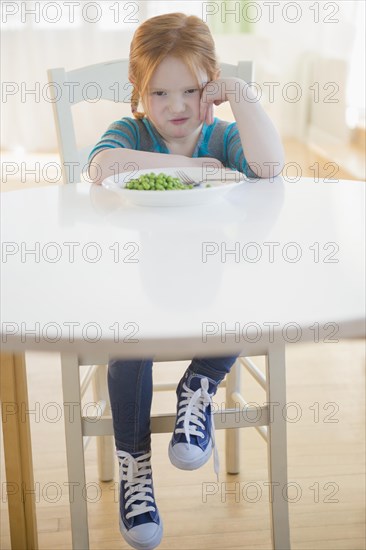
(259, 138)
(113, 161)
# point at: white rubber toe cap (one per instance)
(187, 457)
(144, 537)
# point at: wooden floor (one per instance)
(326, 464)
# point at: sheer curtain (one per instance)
(40, 35)
(32, 43)
(37, 36)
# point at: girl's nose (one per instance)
(177, 105)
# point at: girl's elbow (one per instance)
(272, 169)
(100, 166)
(278, 169)
(267, 170)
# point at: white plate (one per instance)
(222, 181)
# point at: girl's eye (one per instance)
(160, 93)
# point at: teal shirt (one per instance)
(219, 140)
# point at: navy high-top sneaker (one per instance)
(139, 522)
(194, 435)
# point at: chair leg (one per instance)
(277, 447)
(232, 436)
(105, 443)
(75, 451)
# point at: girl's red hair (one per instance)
(186, 37)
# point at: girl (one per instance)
(176, 80)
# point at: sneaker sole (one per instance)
(192, 464)
(147, 545)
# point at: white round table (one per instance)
(82, 270)
(85, 273)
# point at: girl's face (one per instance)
(173, 99)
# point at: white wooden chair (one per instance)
(111, 81)
(79, 429)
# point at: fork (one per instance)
(186, 179)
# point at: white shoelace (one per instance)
(191, 410)
(134, 471)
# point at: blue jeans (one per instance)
(130, 390)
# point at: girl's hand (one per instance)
(214, 93)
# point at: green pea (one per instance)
(157, 182)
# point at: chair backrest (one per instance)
(110, 82)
